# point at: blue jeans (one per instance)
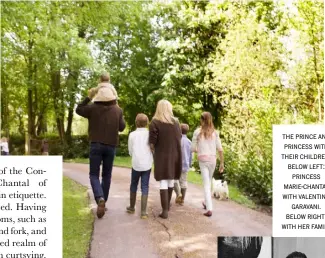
(101, 153)
(135, 176)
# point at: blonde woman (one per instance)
(165, 142)
(206, 143)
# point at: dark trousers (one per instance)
(101, 153)
(135, 176)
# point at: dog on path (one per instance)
(220, 189)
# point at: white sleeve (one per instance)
(218, 142)
(130, 143)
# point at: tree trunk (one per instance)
(60, 127)
(30, 113)
(59, 113)
(69, 123)
(72, 84)
(4, 107)
(41, 123)
(30, 107)
(31, 117)
(318, 84)
(21, 127)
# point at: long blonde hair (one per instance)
(207, 127)
(164, 112)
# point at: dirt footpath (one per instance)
(186, 233)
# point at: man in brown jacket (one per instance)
(105, 120)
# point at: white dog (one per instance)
(220, 189)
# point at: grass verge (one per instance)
(193, 177)
(77, 220)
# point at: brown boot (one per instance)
(100, 208)
(164, 203)
(178, 199)
(170, 194)
(133, 197)
(144, 200)
(177, 188)
(183, 190)
(178, 192)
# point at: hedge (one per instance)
(251, 174)
(78, 148)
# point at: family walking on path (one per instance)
(165, 145)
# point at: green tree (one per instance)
(308, 74)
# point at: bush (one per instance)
(251, 169)
(17, 145)
(122, 149)
(251, 173)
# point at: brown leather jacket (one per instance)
(105, 120)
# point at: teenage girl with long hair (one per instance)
(206, 143)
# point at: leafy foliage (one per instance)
(251, 64)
